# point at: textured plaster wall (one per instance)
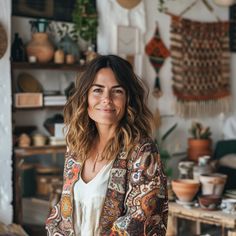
(6, 210)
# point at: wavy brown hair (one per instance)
(137, 120)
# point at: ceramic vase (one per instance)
(40, 47)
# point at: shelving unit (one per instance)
(21, 154)
(48, 66)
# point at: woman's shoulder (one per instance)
(71, 156)
(146, 144)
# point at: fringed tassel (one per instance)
(196, 109)
(157, 93)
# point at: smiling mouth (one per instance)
(106, 110)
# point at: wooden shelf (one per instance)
(47, 66)
(37, 108)
(32, 150)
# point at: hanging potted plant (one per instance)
(86, 20)
(200, 144)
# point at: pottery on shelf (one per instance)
(213, 183)
(69, 46)
(185, 189)
(40, 47)
(209, 202)
(186, 169)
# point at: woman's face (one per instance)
(106, 99)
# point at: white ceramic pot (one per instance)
(213, 183)
(225, 3)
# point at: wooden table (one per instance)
(219, 218)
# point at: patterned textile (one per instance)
(136, 201)
(200, 65)
(157, 53)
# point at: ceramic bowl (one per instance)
(209, 202)
(185, 189)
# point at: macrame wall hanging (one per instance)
(200, 65)
(157, 52)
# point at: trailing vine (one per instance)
(85, 18)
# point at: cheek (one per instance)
(91, 102)
(122, 105)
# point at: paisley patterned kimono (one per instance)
(136, 200)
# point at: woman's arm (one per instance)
(146, 201)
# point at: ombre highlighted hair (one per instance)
(135, 124)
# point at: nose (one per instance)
(106, 99)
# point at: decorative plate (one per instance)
(3, 41)
(27, 83)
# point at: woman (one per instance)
(113, 178)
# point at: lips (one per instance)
(106, 109)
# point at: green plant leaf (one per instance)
(168, 132)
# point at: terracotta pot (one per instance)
(40, 47)
(198, 148)
(213, 183)
(185, 189)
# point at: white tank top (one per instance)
(88, 201)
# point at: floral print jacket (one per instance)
(136, 202)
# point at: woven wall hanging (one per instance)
(157, 53)
(200, 66)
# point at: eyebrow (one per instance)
(102, 86)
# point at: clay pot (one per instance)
(24, 140)
(40, 47)
(185, 189)
(39, 140)
(209, 202)
(213, 183)
(198, 148)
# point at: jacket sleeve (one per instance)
(55, 218)
(146, 200)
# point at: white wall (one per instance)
(5, 121)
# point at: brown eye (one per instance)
(118, 91)
(97, 90)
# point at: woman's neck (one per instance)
(105, 133)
